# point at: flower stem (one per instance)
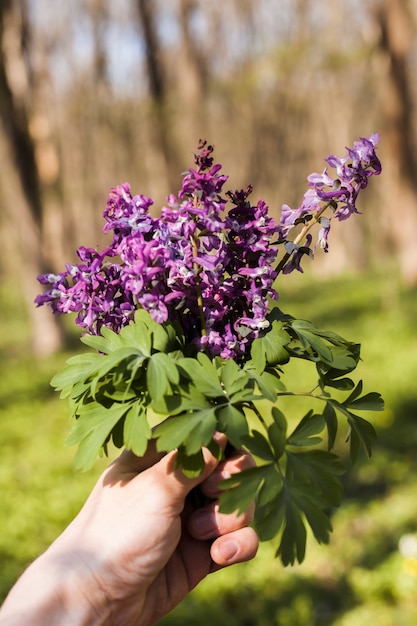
(198, 290)
(252, 406)
(307, 227)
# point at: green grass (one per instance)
(361, 576)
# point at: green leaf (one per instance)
(232, 422)
(355, 394)
(160, 372)
(203, 375)
(340, 355)
(106, 342)
(330, 417)
(241, 489)
(317, 519)
(269, 519)
(191, 465)
(303, 434)
(271, 487)
(78, 368)
(293, 541)
(278, 433)
(277, 438)
(137, 336)
(91, 430)
(136, 430)
(234, 379)
(259, 446)
(310, 339)
(184, 399)
(343, 384)
(318, 470)
(362, 435)
(125, 354)
(369, 402)
(161, 336)
(342, 359)
(190, 431)
(270, 347)
(268, 383)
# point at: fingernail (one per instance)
(228, 549)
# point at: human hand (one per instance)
(139, 545)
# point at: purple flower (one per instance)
(210, 271)
(338, 192)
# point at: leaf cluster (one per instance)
(147, 370)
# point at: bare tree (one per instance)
(161, 143)
(396, 38)
(25, 205)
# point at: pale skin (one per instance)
(137, 547)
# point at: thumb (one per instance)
(172, 479)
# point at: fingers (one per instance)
(128, 464)
(236, 547)
(233, 465)
(208, 522)
(234, 541)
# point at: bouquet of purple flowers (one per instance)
(187, 340)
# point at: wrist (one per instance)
(58, 588)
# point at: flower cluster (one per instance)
(207, 268)
(338, 193)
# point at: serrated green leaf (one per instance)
(279, 418)
(237, 383)
(270, 519)
(185, 399)
(111, 340)
(117, 395)
(160, 372)
(267, 382)
(259, 446)
(136, 430)
(277, 439)
(309, 338)
(78, 368)
(269, 349)
(317, 519)
(160, 335)
(125, 354)
(318, 469)
(303, 433)
(191, 465)
(232, 421)
(233, 377)
(340, 355)
(91, 430)
(241, 489)
(203, 375)
(190, 431)
(362, 434)
(292, 546)
(271, 487)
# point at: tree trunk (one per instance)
(162, 155)
(394, 20)
(24, 206)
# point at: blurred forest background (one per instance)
(94, 93)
